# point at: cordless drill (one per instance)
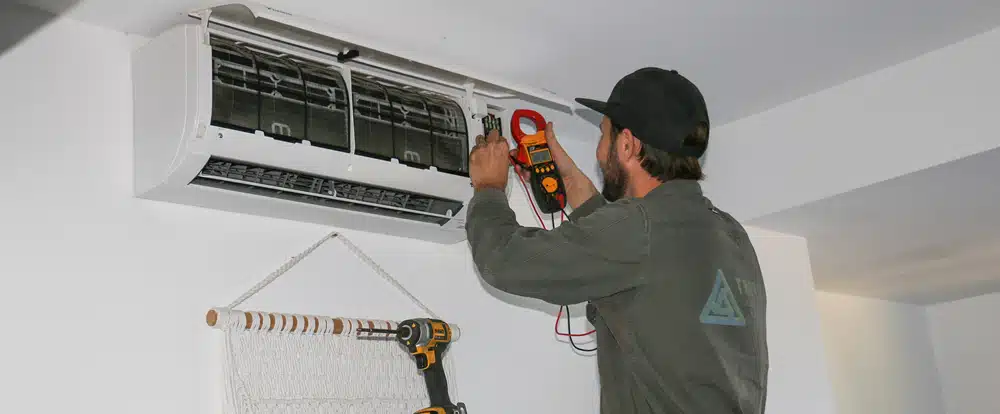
(427, 339)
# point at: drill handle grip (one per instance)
(437, 385)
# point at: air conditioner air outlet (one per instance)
(325, 191)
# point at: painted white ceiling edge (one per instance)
(746, 57)
(969, 272)
(925, 237)
(933, 109)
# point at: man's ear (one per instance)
(629, 144)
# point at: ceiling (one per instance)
(746, 56)
(13, 29)
(926, 237)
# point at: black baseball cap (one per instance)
(661, 108)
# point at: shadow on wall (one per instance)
(25, 17)
(528, 303)
(577, 310)
(591, 116)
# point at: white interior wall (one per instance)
(799, 380)
(887, 357)
(106, 294)
(966, 337)
(880, 356)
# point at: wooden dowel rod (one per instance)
(270, 321)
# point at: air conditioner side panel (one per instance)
(164, 93)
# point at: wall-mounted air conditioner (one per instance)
(251, 110)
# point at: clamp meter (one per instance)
(534, 156)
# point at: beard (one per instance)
(614, 179)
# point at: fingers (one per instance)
(512, 157)
(497, 143)
(525, 175)
(492, 143)
(550, 136)
(495, 138)
(498, 150)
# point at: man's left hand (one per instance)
(489, 162)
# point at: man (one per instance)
(672, 281)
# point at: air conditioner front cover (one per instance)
(257, 18)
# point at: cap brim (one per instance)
(599, 106)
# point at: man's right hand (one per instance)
(579, 188)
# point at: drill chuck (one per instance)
(406, 333)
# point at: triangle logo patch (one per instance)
(721, 307)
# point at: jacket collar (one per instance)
(678, 187)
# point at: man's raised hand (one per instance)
(579, 188)
(489, 162)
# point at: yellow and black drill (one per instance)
(427, 339)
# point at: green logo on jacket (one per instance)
(721, 307)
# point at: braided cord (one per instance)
(385, 275)
(350, 246)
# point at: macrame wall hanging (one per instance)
(276, 362)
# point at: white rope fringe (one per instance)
(273, 372)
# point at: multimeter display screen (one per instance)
(540, 157)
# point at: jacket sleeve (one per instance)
(592, 204)
(597, 253)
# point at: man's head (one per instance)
(655, 128)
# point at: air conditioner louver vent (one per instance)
(293, 99)
(285, 97)
(294, 186)
(418, 129)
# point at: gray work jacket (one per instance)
(673, 288)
